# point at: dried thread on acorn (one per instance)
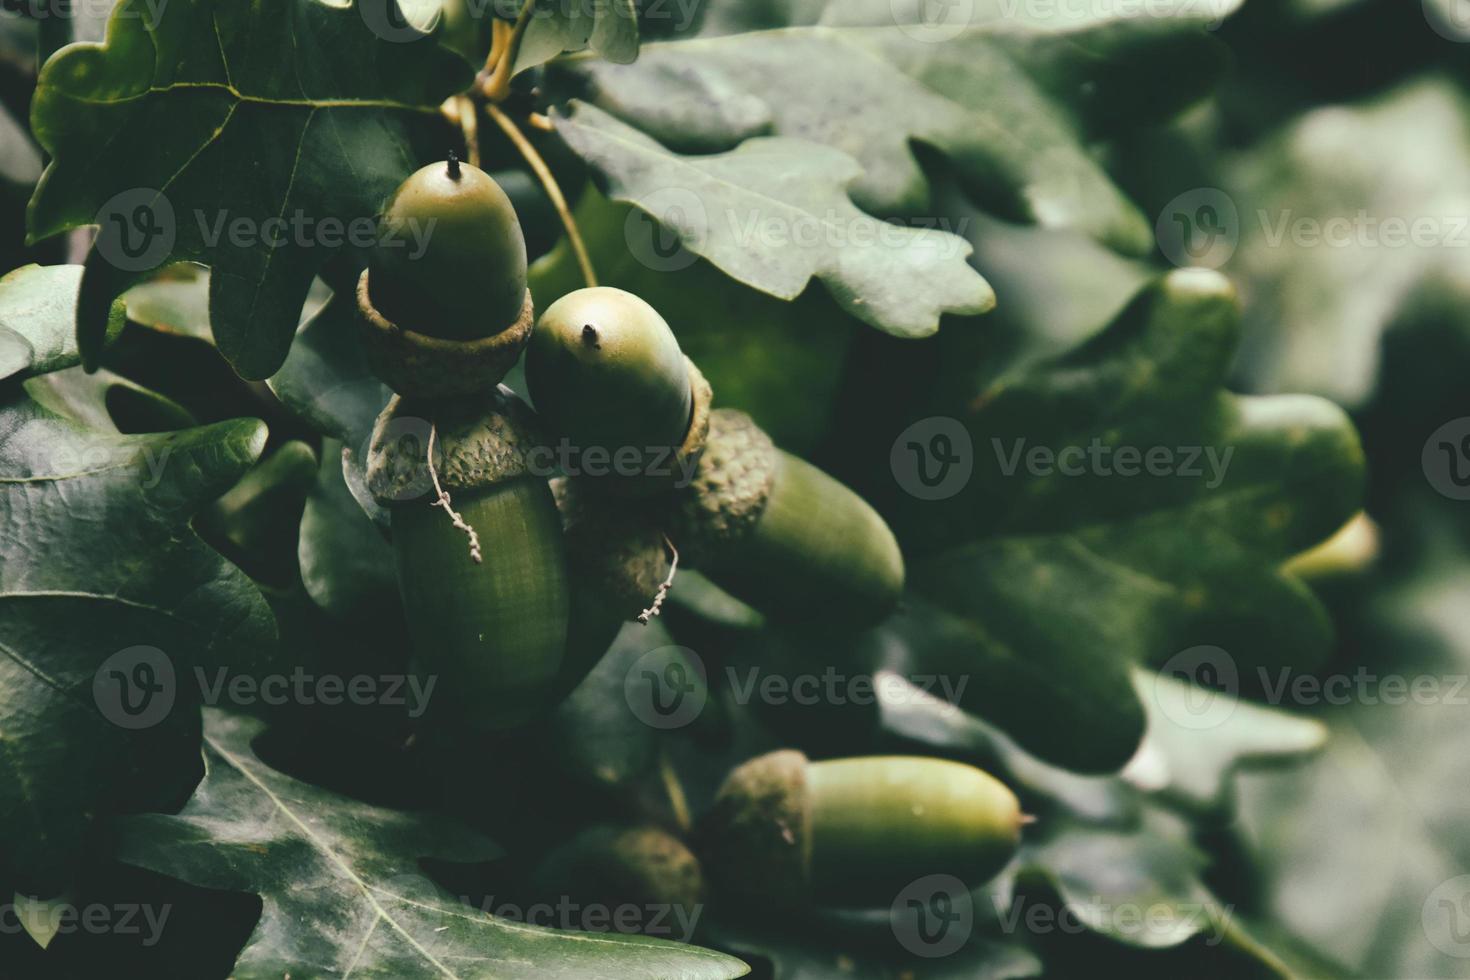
(663, 589)
(441, 494)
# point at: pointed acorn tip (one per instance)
(453, 162)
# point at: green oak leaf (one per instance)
(1375, 830)
(1325, 285)
(187, 135)
(774, 213)
(38, 320)
(96, 558)
(341, 888)
(608, 27)
(1064, 578)
(326, 380)
(1010, 99)
(346, 565)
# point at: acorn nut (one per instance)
(492, 631)
(613, 867)
(605, 372)
(443, 304)
(778, 533)
(854, 832)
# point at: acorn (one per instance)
(606, 373)
(612, 866)
(618, 561)
(443, 305)
(481, 562)
(781, 535)
(854, 832)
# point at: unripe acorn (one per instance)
(778, 533)
(605, 372)
(642, 866)
(854, 832)
(617, 560)
(492, 631)
(443, 303)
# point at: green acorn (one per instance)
(642, 866)
(618, 562)
(854, 832)
(605, 372)
(443, 303)
(783, 536)
(481, 561)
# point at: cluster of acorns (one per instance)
(518, 577)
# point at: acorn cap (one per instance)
(643, 866)
(614, 544)
(731, 486)
(756, 840)
(480, 440)
(417, 364)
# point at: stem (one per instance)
(469, 124)
(678, 803)
(553, 189)
(502, 61)
(448, 505)
(663, 590)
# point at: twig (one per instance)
(553, 189)
(469, 123)
(448, 505)
(663, 590)
(503, 51)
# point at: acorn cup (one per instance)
(443, 308)
(641, 866)
(606, 373)
(617, 560)
(778, 533)
(788, 832)
(481, 560)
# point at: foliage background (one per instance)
(1294, 840)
